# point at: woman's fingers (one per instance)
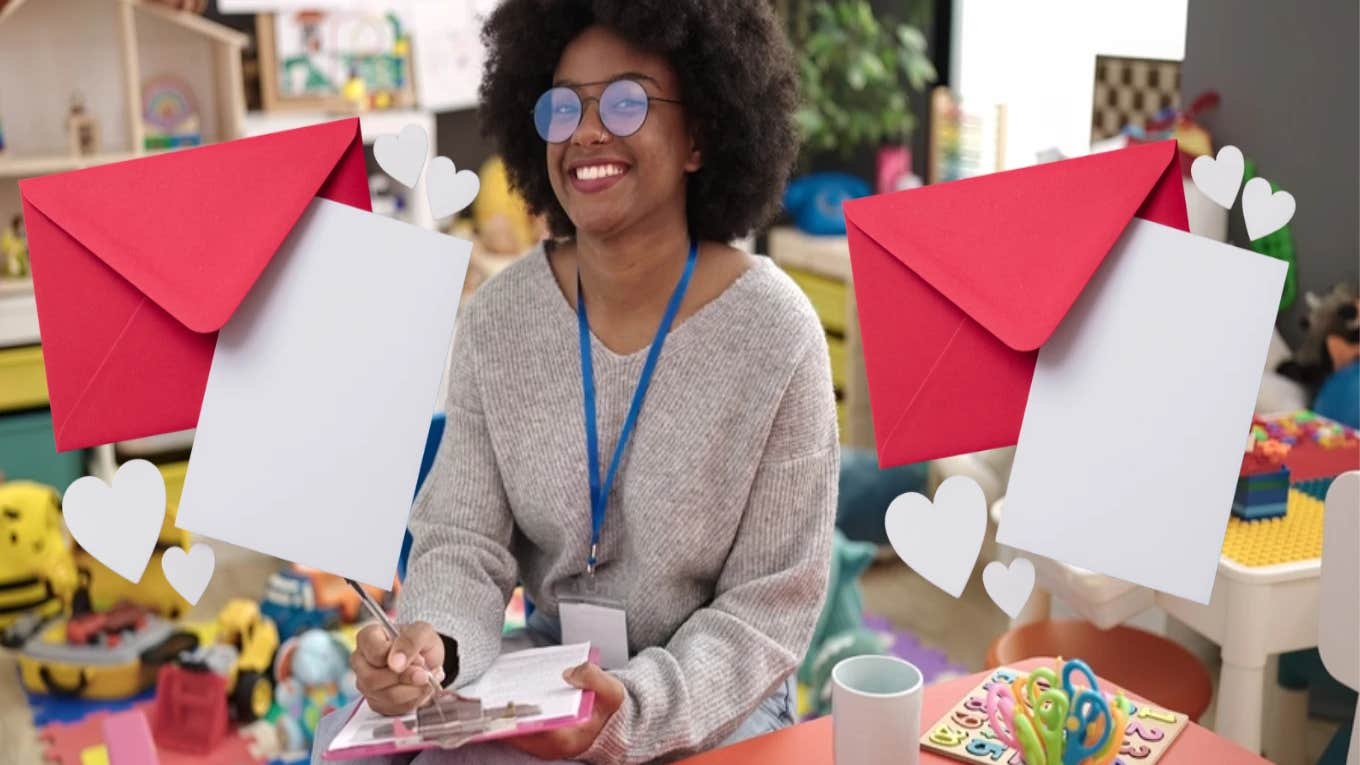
(373, 644)
(609, 691)
(398, 700)
(370, 679)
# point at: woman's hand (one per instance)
(567, 743)
(394, 676)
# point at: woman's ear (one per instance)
(696, 158)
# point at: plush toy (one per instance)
(14, 249)
(1328, 361)
(312, 677)
(504, 224)
(37, 572)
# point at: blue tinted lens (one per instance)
(557, 114)
(623, 107)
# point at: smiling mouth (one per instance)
(598, 172)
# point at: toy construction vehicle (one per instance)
(205, 689)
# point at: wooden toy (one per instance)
(82, 129)
(965, 734)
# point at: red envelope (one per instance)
(137, 265)
(959, 284)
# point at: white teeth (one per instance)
(595, 172)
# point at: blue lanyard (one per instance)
(599, 494)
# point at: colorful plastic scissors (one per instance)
(1087, 709)
(1121, 708)
(1046, 726)
(1001, 714)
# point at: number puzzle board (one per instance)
(964, 734)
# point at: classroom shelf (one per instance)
(23, 167)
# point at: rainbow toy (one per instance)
(169, 114)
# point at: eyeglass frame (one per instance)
(584, 100)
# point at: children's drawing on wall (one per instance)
(363, 56)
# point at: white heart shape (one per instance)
(1264, 212)
(940, 541)
(1009, 588)
(1219, 178)
(118, 525)
(189, 573)
(449, 190)
(403, 156)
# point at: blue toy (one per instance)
(815, 200)
(290, 602)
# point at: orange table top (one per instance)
(809, 743)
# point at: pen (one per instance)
(391, 628)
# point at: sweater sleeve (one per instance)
(727, 657)
(460, 572)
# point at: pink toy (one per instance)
(63, 743)
(128, 739)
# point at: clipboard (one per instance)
(468, 722)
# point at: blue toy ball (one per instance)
(815, 201)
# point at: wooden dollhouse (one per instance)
(84, 83)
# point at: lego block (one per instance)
(1259, 511)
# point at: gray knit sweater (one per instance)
(718, 531)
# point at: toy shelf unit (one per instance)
(132, 78)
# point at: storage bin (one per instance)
(28, 451)
(23, 381)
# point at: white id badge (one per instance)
(590, 615)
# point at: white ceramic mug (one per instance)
(876, 711)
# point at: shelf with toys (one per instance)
(141, 78)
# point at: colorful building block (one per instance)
(1302, 451)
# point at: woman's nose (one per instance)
(592, 129)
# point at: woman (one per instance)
(650, 134)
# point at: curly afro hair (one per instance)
(737, 79)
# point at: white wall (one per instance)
(1038, 57)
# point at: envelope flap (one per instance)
(1014, 249)
(193, 229)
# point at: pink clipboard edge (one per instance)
(368, 750)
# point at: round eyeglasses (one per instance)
(622, 105)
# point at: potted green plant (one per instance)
(857, 74)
